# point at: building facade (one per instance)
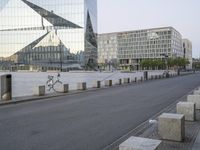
(48, 35)
(187, 49)
(107, 48)
(134, 46)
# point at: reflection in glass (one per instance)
(48, 35)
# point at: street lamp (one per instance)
(167, 72)
(61, 63)
(165, 56)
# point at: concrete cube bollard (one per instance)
(188, 109)
(64, 88)
(82, 86)
(195, 99)
(171, 126)
(108, 83)
(126, 80)
(138, 143)
(119, 81)
(39, 90)
(97, 84)
(6, 87)
(135, 79)
(149, 77)
(196, 92)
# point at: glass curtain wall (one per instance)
(46, 34)
(91, 33)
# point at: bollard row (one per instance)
(171, 126)
(6, 86)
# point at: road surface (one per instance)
(87, 121)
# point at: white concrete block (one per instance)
(97, 84)
(108, 83)
(82, 86)
(39, 90)
(138, 143)
(195, 99)
(119, 82)
(186, 108)
(196, 92)
(63, 88)
(126, 80)
(136, 80)
(171, 126)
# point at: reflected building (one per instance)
(48, 35)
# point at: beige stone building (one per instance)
(131, 47)
(187, 49)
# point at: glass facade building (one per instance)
(48, 34)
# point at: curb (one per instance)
(18, 100)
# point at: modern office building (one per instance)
(107, 48)
(134, 46)
(48, 34)
(187, 49)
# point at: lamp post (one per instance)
(165, 57)
(61, 63)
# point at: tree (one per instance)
(177, 62)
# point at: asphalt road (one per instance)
(87, 121)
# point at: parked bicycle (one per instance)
(52, 83)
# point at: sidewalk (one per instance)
(192, 133)
(150, 130)
(196, 145)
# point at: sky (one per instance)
(125, 15)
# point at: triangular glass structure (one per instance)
(33, 19)
(90, 35)
(90, 44)
(51, 17)
(50, 39)
(23, 53)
